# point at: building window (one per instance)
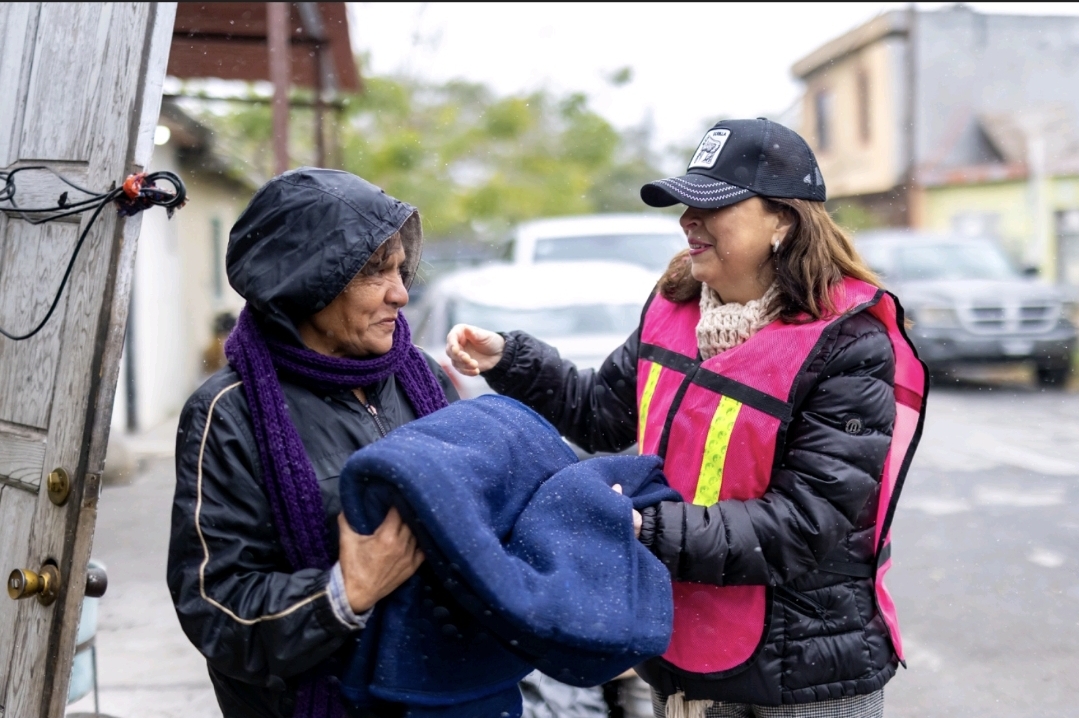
(863, 106)
(218, 258)
(823, 110)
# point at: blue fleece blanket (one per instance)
(531, 562)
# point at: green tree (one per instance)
(472, 161)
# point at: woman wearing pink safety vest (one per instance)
(773, 375)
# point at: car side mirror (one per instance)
(1031, 271)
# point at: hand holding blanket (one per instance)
(531, 562)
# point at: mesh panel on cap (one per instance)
(786, 163)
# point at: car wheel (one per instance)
(1053, 377)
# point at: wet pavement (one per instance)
(986, 577)
(986, 546)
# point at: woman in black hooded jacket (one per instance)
(764, 259)
(270, 585)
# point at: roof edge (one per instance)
(893, 22)
(196, 149)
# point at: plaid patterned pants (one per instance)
(870, 705)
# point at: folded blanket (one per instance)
(531, 562)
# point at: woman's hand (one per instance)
(373, 566)
(637, 520)
(473, 350)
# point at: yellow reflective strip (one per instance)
(646, 401)
(710, 480)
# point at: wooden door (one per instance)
(80, 90)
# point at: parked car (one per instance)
(969, 304)
(648, 240)
(448, 255)
(583, 309)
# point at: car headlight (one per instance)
(940, 317)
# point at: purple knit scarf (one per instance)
(288, 476)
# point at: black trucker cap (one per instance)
(738, 159)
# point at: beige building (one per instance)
(854, 114)
(953, 120)
(180, 287)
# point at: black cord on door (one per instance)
(138, 192)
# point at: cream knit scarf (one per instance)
(723, 326)
(679, 707)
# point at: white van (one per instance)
(647, 240)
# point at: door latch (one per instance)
(45, 584)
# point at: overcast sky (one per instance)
(691, 63)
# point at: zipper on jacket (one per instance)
(372, 409)
(801, 600)
(374, 415)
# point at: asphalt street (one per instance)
(986, 577)
(986, 546)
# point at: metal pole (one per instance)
(277, 35)
(1037, 251)
(324, 76)
(913, 195)
(320, 112)
(333, 148)
(93, 662)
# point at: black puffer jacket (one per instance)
(261, 625)
(825, 638)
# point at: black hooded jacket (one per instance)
(824, 638)
(259, 624)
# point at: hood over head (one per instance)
(305, 235)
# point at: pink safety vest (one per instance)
(720, 424)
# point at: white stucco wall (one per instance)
(179, 288)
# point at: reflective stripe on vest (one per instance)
(719, 424)
(710, 479)
(645, 402)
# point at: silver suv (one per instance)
(969, 304)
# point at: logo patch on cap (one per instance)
(708, 151)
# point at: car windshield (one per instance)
(975, 260)
(652, 251)
(573, 320)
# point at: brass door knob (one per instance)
(24, 583)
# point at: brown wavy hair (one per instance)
(816, 255)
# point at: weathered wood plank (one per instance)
(25, 668)
(92, 339)
(157, 61)
(18, 26)
(22, 458)
(16, 514)
(63, 78)
(40, 188)
(31, 265)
